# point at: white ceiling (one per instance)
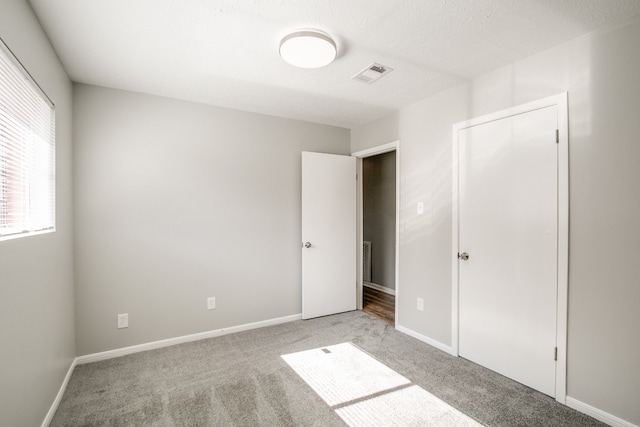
(225, 52)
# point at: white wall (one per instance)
(379, 216)
(176, 202)
(600, 73)
(37, 343)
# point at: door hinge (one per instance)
(557, 136)
(555, 353)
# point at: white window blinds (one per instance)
(27, 152)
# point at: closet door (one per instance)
(508, 243)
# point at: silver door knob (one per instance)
(307, 244)
(463, 256)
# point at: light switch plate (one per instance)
(123, 320)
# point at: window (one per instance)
(27, 152)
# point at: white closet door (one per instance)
(508, 226)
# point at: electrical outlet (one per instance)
(123, 320)
(420, 208)
(420, 304)
(211, 303)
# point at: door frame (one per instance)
(561, 102)
(359, 155)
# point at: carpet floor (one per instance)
(241, 380)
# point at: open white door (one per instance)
(328, 234)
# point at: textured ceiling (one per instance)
(225, 52)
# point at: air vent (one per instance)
(372, 73)
(366, 261)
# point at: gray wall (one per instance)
(379, 216)
(600, 72)
(37, 343)
(176, 202)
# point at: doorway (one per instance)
(378, 207)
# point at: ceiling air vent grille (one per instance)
(372, 73)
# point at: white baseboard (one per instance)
(110, 354)
(598, 414)
(153, 345)
(427, 340)
(379, 288)
(579, 406)
(56, 401)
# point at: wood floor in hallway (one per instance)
(379, 304)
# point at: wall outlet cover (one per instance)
(211, 303)
(420, 304)
(123, 320)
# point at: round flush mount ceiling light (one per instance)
(308, 49)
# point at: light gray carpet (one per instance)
(241, 380)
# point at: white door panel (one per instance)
(329, 226)
(508, 225)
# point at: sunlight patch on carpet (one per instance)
(411, 406)
(365, 392)
(343, 373)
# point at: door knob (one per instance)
(307, 244)
(463, 256)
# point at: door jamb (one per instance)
(561, 101)
(380, 149)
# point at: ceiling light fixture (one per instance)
(308, 49)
